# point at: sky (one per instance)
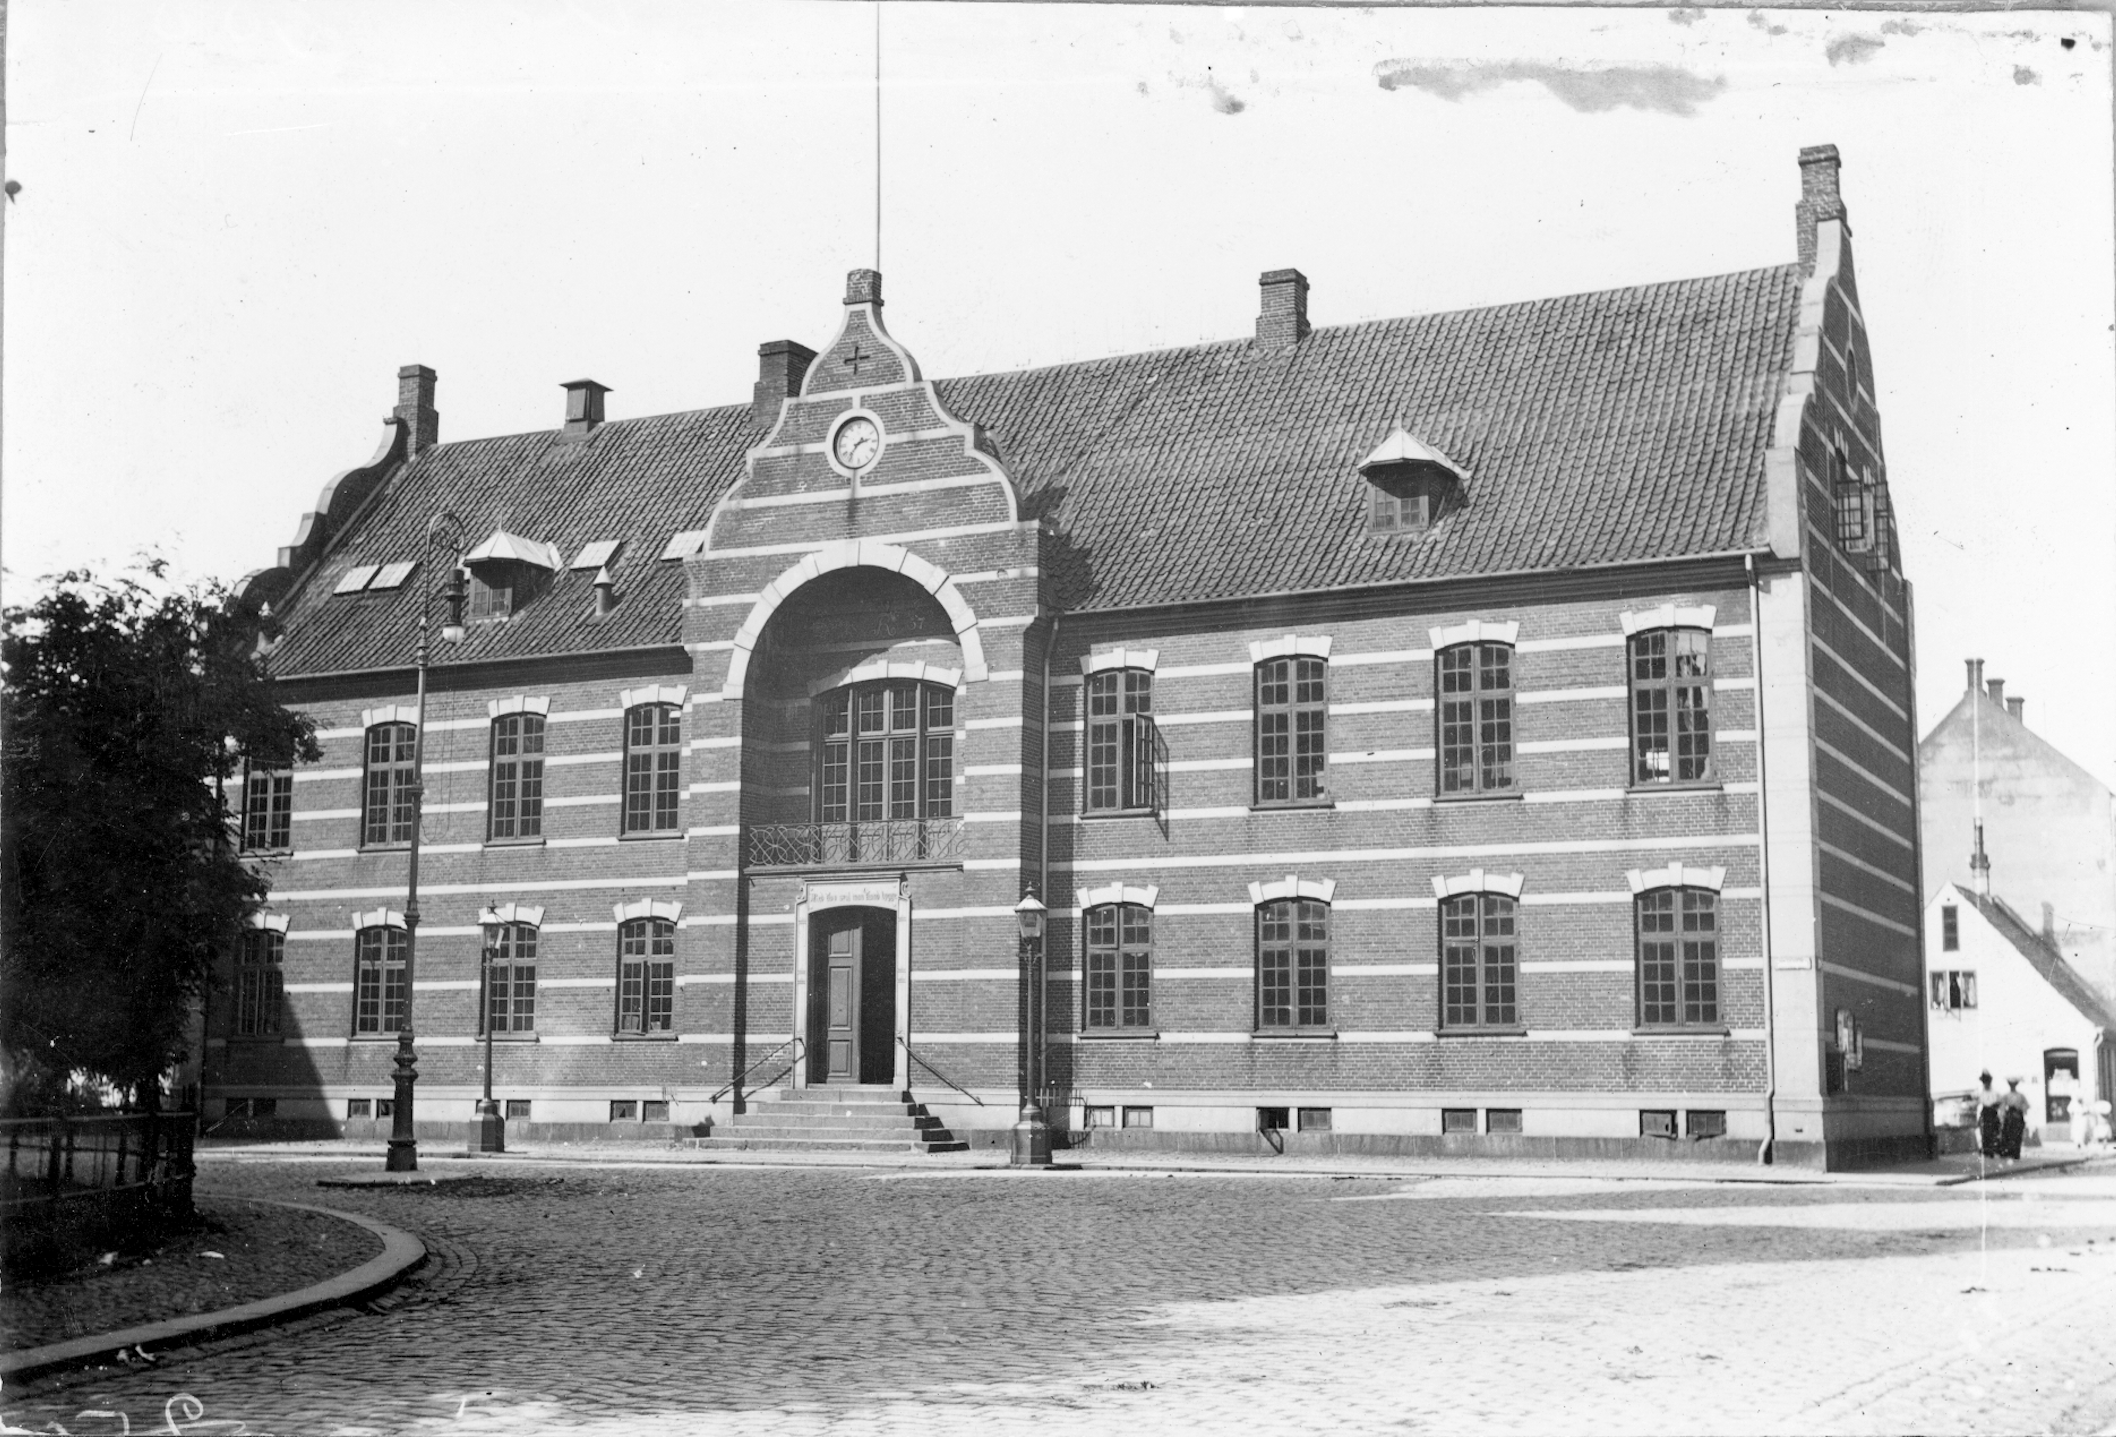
(236, 221)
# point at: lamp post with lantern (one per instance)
(1032, 1134)
(492, 1124)
(443, 532)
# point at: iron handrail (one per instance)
(736, 1082)
(912, 1053)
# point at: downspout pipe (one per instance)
(1765, 1149)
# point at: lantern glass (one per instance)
(492, 935)
(1030, 914)
(458, 597)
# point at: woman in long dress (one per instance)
(2014, 1126)
(1989, 1104)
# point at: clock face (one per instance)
(857, 443)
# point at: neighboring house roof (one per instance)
(2000, 735)
(1624, 425)
(2045, 957)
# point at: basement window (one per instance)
(1138, 1117)
(624, 1110)
(1656, 1123)
(1502, 1120)
(1458, 1120)
(1705, 1123)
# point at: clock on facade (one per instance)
(857, 442)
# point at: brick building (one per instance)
(1488, 730)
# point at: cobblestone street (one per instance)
(691, 1299)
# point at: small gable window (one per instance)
(507, 571)
(1410, 485)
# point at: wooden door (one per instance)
(841, 1006)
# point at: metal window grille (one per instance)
(1705, 1123)
(1120, 741)
(1291, 729)
(1119, 966)
(517, 808)
(646, 976)
(1678, 958)
(510, 993)
(1478, 967)
(260, 983)
(1458, 1120)
(387, 814)
(1502, 1120)
(1476, 717)
(268, 808)
(1671, 723)
(1293, 964)
(1313, 1120)
(378, 980)
(653, 767)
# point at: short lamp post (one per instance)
(1032, 1135)
(443, 531)
(492, 1125)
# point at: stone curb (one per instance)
(400, 1253)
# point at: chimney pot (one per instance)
(1819, 199)
(781, 366)
(583, 407)
(422, 426)
(1976, 673)
(1282, 321)
(863, 286)
(2050, 923)
(2014, 706)
(1997, 689)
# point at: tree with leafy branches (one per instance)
(125, 707)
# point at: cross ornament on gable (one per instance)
(853, 359)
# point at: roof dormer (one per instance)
(1410, 484)
(506, 572)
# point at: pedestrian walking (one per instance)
(1989, 1102)
(2014, 1124)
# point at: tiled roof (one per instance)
(1622, 425)
(2046, 959)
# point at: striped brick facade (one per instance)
(949, 561)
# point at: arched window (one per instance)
(1671, 715)
(378, 979)
(1476, 718)
(1479, 967)
(646, 976)
(653, 768)
(517, 807)
(1120, 741)
(387, 815)
(259, 983)
(885, 750)
(1119, 966)
(1292, 964)
(510, 990)
(1291, 731)
(1678, 958)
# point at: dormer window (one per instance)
(506, 572)
(1410, 485)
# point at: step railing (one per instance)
(913, 1054)
(736, 1084)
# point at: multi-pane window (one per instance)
(510, 981)
(646, 976)
(387, 814)
(1671, 717)
(1119, 966)
(653, 767)
(1954, 989)
(1950, 928)
(267, 808)
(517, 809)
(1850, 504)
(886, 751)
(1678, 958)
(1293, 964)
(1120, 740)
(378, 980)
(1396, 511)
(1476, 713)
(1478, 970)
(1291, 702)
(259, 982)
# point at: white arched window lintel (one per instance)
(519, 704)
(1675, 875)
(1476, 631)
(528, 914)
(1118, 893)
(1314, 646)
(1668, 616)
(1320, 889)
(1477, 881)
(663, 908)
(378, 918)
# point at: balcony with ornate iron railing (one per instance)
(880, 843)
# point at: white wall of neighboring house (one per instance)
(2018, 1015)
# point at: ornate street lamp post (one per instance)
(443, 531)
(492, 1126)
(1032, 1135)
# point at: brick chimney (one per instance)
(1283, 320)
(1976, 673)
(422, 425)
(781, 366)
(583, 407)
(2014, 707)
(1997, 689)
(1819, 199)
(863, 286)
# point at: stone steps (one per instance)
(827, 1119)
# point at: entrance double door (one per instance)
(852, 996)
